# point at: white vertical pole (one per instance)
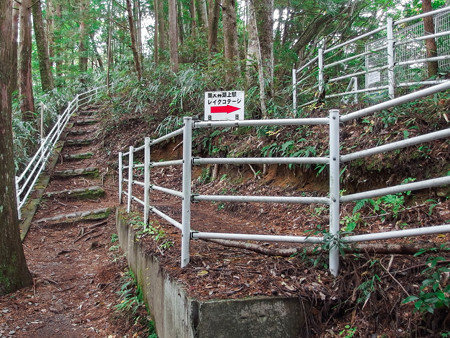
(120, 176)
(355, 88)
(334, 191)
(42, 123)
(130, 178)
(146, 179)
(320, 70)
(19, 213)
(186, 204)
(78, 100)
(294, 91)
(391, 56)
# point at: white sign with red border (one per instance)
(224, 106)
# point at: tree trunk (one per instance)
(137, 64)
(173, 38)
(156, 35)
(254, 55)
(25, 76)
(180, 23)
(97, 54)
(213, 26)
(193, 12)
(430, 44)
(161, 27)
(108, 43)
(264, 21)
(15, 47)
(42, 48)
(230, 29)
(83, 50)
(138, 24)
(50, 30)
(14, 272)
(203, 13)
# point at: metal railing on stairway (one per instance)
(375, 63)
(334, 199)
(27, 179)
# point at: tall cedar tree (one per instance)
(430, 43)
(25, 76)
(134, 48)
(14, 272)
(42, 48)
(173, 38)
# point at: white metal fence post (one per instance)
(19, 213)
(146, 179)
(391, 56)
(186, 204)
(294, 91)
(130, 178)
(320, 70)
(334, 191)
(120, 176)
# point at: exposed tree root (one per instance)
(379, 248)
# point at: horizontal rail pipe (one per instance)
(314, 59)
(167, 137)
(263, 199)
(166, 163)
(167, 191)
(430, 230)
(166, 217)
(262, 160)
(260, 123)
(419, 16)
(141, 202)
(359, 91)
(397, 145)
(249, 237)
(424, 37)
(436, 58)
(397, 101)
(431, 183)
(354, 39)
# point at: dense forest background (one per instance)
(170, 52)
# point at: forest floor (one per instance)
(78, 270)
(79, 273)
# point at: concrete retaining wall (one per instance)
(176, 315)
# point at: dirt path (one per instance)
(76, 274)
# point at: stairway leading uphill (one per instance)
(75, 191)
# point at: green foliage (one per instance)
(434, 293)
(153, 230)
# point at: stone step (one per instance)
(79, 194)
(85, 122)
(82, 142)
(90, 112)
(76, 157)
(88, 215)
(76, 132)
(91, 171)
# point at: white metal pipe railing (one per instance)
(394, 42)
(263, 199)
(27, 179)
(420, 16)
(431, 183)
(397, 145)
(333, 201)
(261, 123)
(167, 191)
(262, 160)
(250, 237)
(430, 230)
(397, 101)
